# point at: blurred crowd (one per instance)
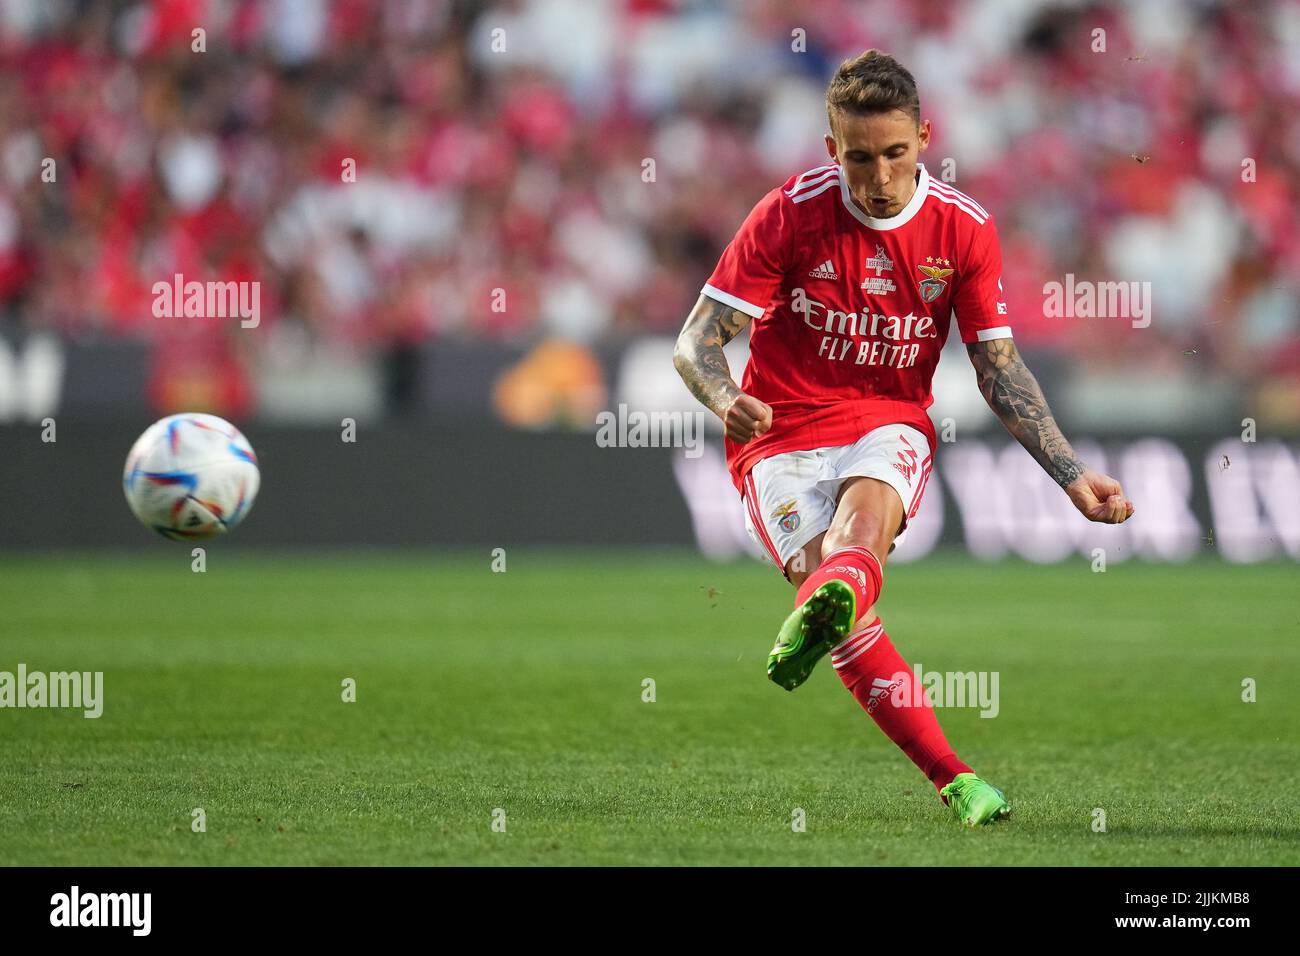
(399, 171)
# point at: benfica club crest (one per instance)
(786, 517)
(933, 286)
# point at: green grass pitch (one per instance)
(523, 691)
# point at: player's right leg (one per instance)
(788, 515)
(834, 601)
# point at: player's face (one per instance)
(878, 154)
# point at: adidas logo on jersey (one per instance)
(825, 271)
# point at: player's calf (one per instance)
(856, 568)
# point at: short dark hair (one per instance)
(872, 83)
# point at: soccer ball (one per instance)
(191, 476)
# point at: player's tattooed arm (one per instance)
(1016, 398)
(698, 356)
(699, 361)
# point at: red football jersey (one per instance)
(851, 312)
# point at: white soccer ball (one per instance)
(191, 476)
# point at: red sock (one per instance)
(878, 677)
(856, 567)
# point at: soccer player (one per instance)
(850, 274)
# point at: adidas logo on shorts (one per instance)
(825, 271)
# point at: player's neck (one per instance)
(916, 178)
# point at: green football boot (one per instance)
(812, 629)
(973, 802)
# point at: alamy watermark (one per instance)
(922, 688)
(637, 429)
(77, 689)
(1085, 299)
(179, 299)
(75, 908)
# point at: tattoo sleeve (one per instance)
(698, 356)
(1015, 397)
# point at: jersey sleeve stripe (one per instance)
(737, 303)
(809, 194)
(958, 194)
(1001, 332)
(959, 204)
(810, 177)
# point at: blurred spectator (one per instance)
(395, 171)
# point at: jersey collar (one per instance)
(893, 222)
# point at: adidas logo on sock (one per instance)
(855, 573)
(880, 691)
(825, 271)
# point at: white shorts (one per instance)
(790, 498)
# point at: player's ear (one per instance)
(923, 134)
(831, 148)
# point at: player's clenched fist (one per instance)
(1099, 497)
(747, 418)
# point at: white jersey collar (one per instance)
(893, 222)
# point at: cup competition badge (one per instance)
(786, 516)
(933, 287)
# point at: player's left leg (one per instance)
(870, 667)
(885, 685)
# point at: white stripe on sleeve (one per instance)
(737, 303)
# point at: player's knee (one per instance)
(860, 530)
